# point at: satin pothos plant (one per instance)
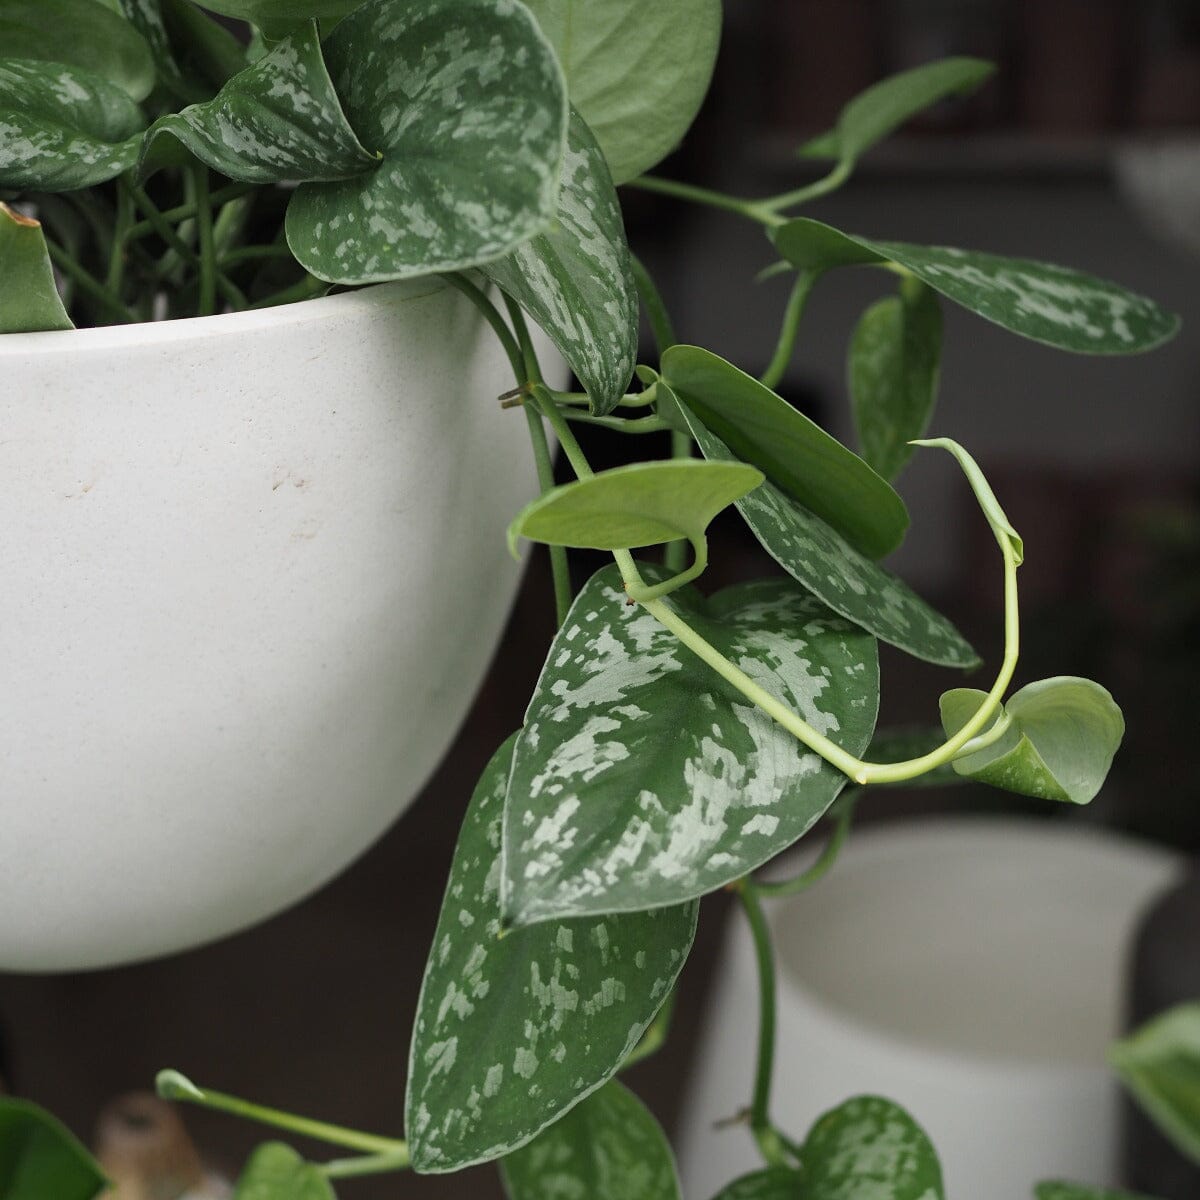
(154, 165)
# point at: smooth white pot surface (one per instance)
(253, 570)
(969, 969)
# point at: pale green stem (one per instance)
(772, 377)
(371, 1164)
(751, 209)
(619, 424)
(582, 399)
(559, 566)
(828, 856)
(812, 191)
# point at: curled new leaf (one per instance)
(28, 298)
(40, 1159)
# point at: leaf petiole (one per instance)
(752, 210)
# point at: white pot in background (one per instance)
(252, 569)
(969, 969)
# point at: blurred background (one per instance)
(1085, 150)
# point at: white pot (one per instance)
(969, 969)
(252, 569)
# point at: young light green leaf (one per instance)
(62, 128)
(642, 779)
(1160, 1064)
(40, 1159)
(277, 120)
(841, 577)
(1059, 746)
(78, 33)
(277, 1172)
(883, 108)
(1046, 303)
(797, 455)
(895, 355)
(1057, 1190)
(869, 1145)
(607, 1148)
(29, 300)
(576, 278)
(637, 72)
(513, 1031)
(466, 102)
(775, 1183)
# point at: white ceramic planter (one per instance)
(252, 569)
(969, 969)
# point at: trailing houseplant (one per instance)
(676, 742)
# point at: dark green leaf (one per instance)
(512, 1031)
(1057, 1190)
(29, 300)
(762, 429)
(775, 1183)
(895, 355)
(40, 1160)
(870, 1146)
(576, 279)
(1060, 745)
(276, 120)
(637, 71)
(277, 1172)
(275, 12)
(466, 102)
(1160, 1064)
(78, 33)
(607, 1148)
(641, 778)
(1047, 303)
(850, 583)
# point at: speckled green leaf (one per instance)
(1050, 304)
(41, 1160)
(1064, 734)
(850, 583)
(29, 301)
(62, 128)
(576, 278)
(607, 1148)
(641, 778)
(78, 33)
(277, 1172)
(466, 102)
(895, 356)
(870, 1147)
(512, 1031)
(277, 120)
(193, 54)
(797, 455)
(775, 1183)
(1160, 1064)
(637, 71)
(1057, 1190)
(271, 12)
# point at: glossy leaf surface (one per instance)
(1057, 1190)
(277, 1172)
(29, 301)
(466, 102)
(40, 1159)
(775, 1183)
(576, 278)
(512, 1031)
(607, 1148)
(638, 72)
(641, 778)
(797, 455)
(1046, 303)
(895, 356)
(1061, 743)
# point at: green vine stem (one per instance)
(753, 210)
(87, 283)
(207, 300)
(371, 1164)
(772, 377)
(828, 856)
(812, 191)
(492, 315)
(559, 565)
(622, 425)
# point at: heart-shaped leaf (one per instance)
(847, 581)
(1047, 303)
(40, 1160)
(28, 298)
(277, 1172)
(895, 355)
(576, 278)
(1059, 746)
(1057, 1190)
(82, 34)
(512, 1031)
(607, 1148)
(62, 128)
(797, 455)
(872, 115)
(1160, 1064)
(276, 12)
(276, 120)
(775, 1183)
(466, 102)
(869, 1145)
(637, 72)
(641, 778)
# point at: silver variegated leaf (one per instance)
(512, 1031)
(641, 778)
